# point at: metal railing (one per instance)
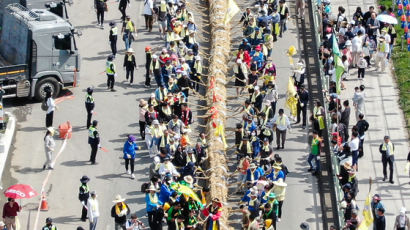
(317, 20)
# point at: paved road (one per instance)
(302, 201)
(117, 113)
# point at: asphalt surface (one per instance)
(117, 113)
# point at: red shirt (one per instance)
(10, 211)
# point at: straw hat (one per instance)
(189, 179)
(51, 130)
(151, 188)
(143, 102)
(347, 165)
(280, 183)
(118, 199)
(253, 166)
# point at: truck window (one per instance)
(62, 42)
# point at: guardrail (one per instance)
(317, 20)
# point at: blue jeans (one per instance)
(155, 141)
(355, 157)
(93, 225)
(317, 162)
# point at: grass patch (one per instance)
(401, 63)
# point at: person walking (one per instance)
(149, 14)
(382, 53)
(380, 220)
(51, 107)
(345, 117)
(122, 6)
(119, 212)
(314, 154)
(358, 100)
(402, 221)
(113, 38)
(128, 28)
(279, 188)
(100, 6)
(376, 204)
(303, 95)
(387, 151)
(130, 64)
(361, 65)
(129, 155)
(111, 72)
(143, 106)
(93, 140)
(148, 59)
(354, 149)
(362, 126)
(83, 195)
(281, 125)
(89, 105)
(49, 224)
(154, 208)
(284, 14)
(10, 210)
(49, 145)
(93, 210)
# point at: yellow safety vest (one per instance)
(89, 99)
(154, 65)
(189, 159)
(129, 26)
(163, 7)
(198, 67)
(170, 36)
(254, 96)
(130, 57)
(91, 131)
(281, 120)
(114, 31)
(248, 147)
(108, 68)
(390, 146)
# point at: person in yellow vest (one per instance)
(279, 188)
(49, 224)
(196, 73)
(244, 148)
(128, 28)
(162, 18)
(113, 38)
(281, 125)
(318, 118)
(111, 72)
(284, 14)
(387, 151)
(268, 41)
(382, 53)
(170, 36)
(157, 134)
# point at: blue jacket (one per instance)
(129, 149)
(280, 175)
(258, 173)
(151, 206)
(256, 147)
(258, 58)
(164, 193)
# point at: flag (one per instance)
(339, 68)
(367, 214)
(232, 10)
(291, 100)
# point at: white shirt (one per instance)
(281, 124)
(131, 226)
(93, 208)
(51, 105)
(357, 44)
(148, 5)
(354, 144)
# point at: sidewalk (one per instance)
(5, 142)
(385, 117)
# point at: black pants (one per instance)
(89, 115)
(113, 45)
(360, 72)
(280, 209)
(84, 211)
(130, 162)
(195, 83)
(153, 221)
(273, 105)
(302, 110)
(94, 149)
(147, 78)
(49, 119)
(280, 133)
(100, 16)
(122, 9)
(390, 161)
(142, 129)
(361, 152)
(149, 20)
(110, 81)
(367, 58)
(130, 73)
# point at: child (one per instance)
(362, 65)
(366, 53)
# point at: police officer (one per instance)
(89, 105)
(49, 224)
(113, 38)
(110, 70)
(83, 195)
(93, 140)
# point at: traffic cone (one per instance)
(44, 204)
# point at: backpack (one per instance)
(44, 105)
(144, 187)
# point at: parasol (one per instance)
(387, 19)
(20, 191)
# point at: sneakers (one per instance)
(278, 219)
(133, 176)
(101, 26)
(128, 172)
(130, 83)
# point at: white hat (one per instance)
(130, 50)
(118, 198)
(239, 61)
(154, 56)
(402, 210)
(2, 224)
(197, 58)
(348, 43)
(50, 129)
(256, 87)
(151, 188)
(155, 122)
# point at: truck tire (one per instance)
(51, 82)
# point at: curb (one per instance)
(5, 141)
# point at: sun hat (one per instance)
(189, 179)
(84, 179)
(118, 199)
(131, 138)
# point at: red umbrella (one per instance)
(20, 191)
